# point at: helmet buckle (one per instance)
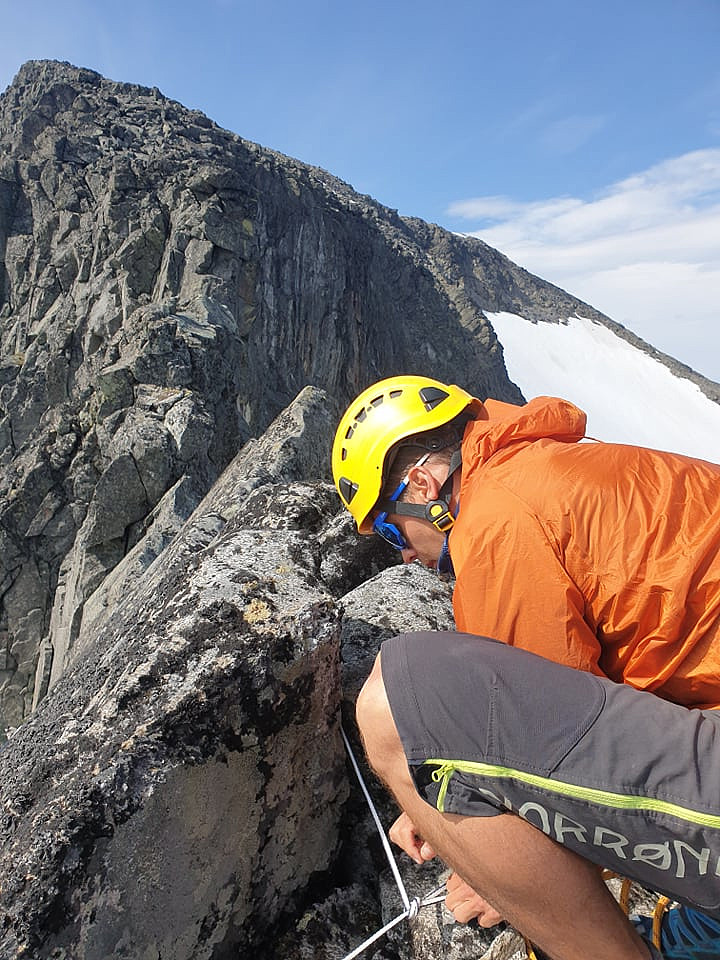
(438, 513)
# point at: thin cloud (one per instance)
(505, 210)
(569, 134)
(645, 251)
(528, 119)
(542, 123)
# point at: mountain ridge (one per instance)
(561, 303)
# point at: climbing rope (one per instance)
(412, 907)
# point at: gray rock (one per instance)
(195, 739)
(398, 600)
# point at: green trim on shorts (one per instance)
(446, 768)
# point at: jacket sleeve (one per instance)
(512, 586)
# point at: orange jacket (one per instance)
(602, 556)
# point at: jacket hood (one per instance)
(502, 425)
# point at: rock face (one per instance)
(189, 767)
(166, 288)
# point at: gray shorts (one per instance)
(625, 779)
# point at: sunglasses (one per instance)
(381, 525)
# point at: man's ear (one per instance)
(424, 483)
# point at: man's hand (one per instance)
(466, 905)
(404, 834)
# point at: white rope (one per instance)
(376, 818)
(412, 907)
(412, 911)
(376, 936)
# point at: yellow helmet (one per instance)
(383, 415)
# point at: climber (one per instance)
(600, 556)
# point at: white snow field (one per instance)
(628, 396)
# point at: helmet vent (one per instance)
(348, 489)
(432, 396)
(394, 394)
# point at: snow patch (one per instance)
(629, 397)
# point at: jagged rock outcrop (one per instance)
(166, 288)
(183, 784)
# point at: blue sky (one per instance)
(582, 140)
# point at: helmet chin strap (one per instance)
(437, 512)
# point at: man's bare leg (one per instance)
(547, 892)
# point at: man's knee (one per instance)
(376, 724)
(372, 709)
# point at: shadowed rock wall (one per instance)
(166, 288)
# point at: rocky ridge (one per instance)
(166, 289)
(169, 796)
(182, 791)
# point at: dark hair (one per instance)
(440, 443)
